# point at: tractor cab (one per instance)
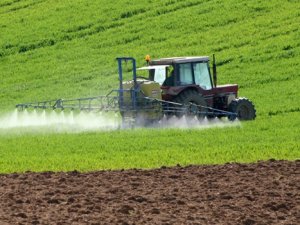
(186, 71)
(179, 71)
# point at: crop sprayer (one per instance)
(178, 86)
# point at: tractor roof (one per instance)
(169, 61)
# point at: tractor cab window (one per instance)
(159, 74)
(170, 79)
(153, 73)
(202, 76)
(185, 74)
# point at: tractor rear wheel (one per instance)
(244, 108)
(194, 104)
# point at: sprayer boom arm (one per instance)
(101, 103)
(111, 104)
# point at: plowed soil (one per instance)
(260, 193)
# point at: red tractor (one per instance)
(188, 80)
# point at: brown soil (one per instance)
(261, 193)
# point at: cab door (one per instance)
(202, 75)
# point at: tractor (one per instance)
(178, 86)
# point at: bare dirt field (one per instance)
(260, 193)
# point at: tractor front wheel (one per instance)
(244, 108)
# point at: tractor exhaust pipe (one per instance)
(214, 71)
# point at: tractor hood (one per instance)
(227, 88)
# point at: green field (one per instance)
(66, 49)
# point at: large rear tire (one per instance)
(194, 104)
(244, 108)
